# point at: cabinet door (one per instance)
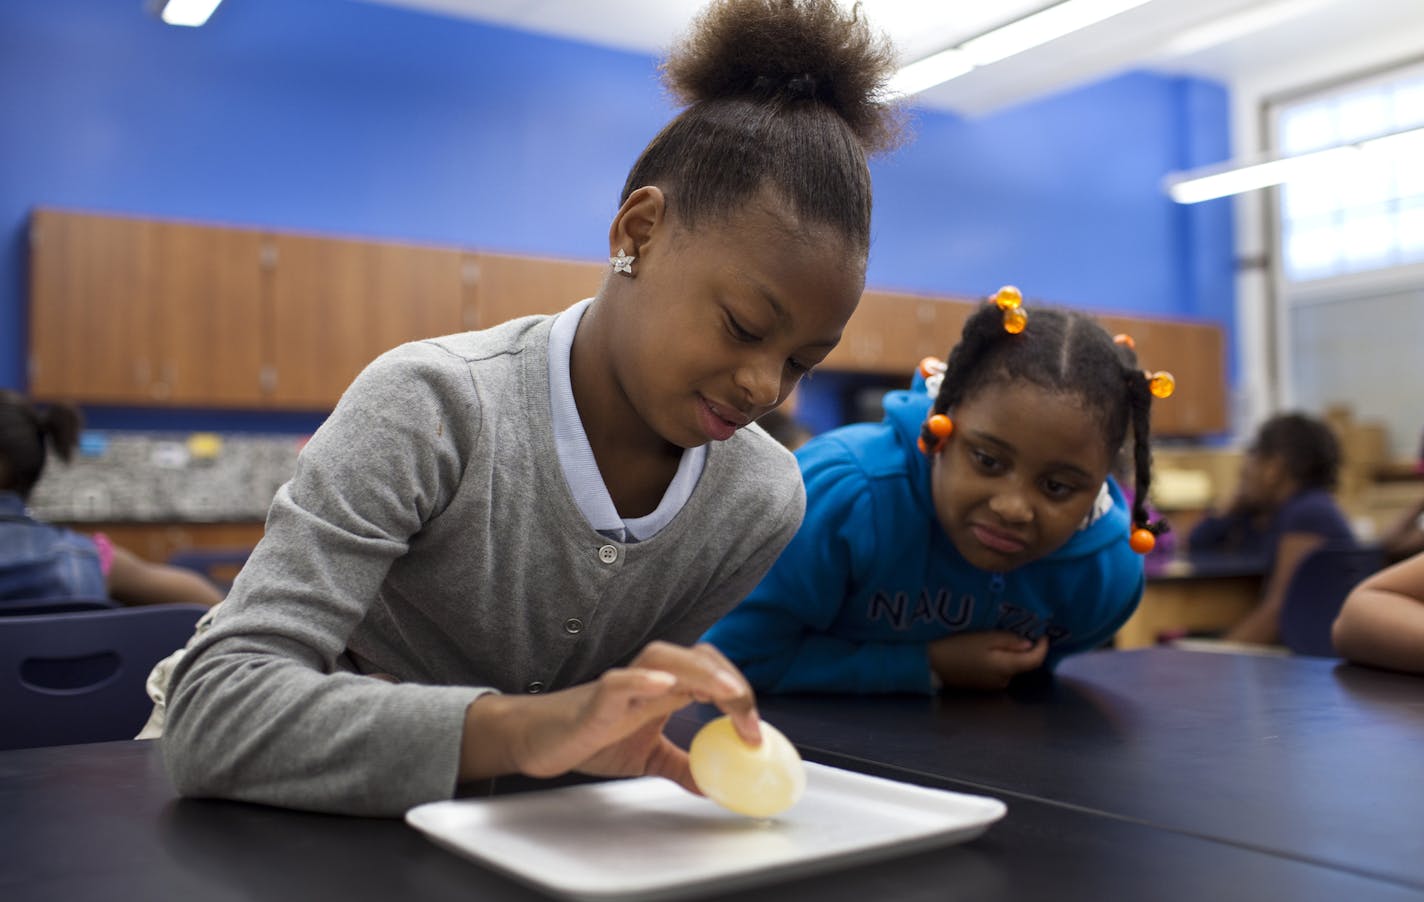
(416, 293)
(319, 306)
(1195, 355)
(91, 320)
(334, 305)
(143, 312)
(891, 333)
(206, 287)
(505, 287)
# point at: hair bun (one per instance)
(797, 87)
(789, 51)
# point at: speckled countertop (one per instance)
(166, 478)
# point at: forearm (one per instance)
(170, 585)
(134, 581)
(260, 728)
(1263, 625)
(1382, 628)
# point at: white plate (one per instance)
(649, 839)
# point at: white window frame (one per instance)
(1288, 294)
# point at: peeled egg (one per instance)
(758, 782)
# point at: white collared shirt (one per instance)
(576, 456)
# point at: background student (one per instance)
(40, 560)
(520, 530)
(1286, 478)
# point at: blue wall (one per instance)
(360, 119)
(1062, 197)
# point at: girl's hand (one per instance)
(985, 660)
(610, 727)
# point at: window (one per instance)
(1366, 211)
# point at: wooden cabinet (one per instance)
(141, 312)
(1195, 355)
(334, 305)
(91, 327)
(129, 311)
(207, 325)
(138, 312)
(504, 287)
(891, 333)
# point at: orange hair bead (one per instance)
(929, 366)
(1122, 338)
(941, 426)
(1008, 298)
(1142, 540)
(1015, 319)
(1161, 384)
(920, 443)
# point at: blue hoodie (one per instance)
(871, 578)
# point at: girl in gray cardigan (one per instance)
(496, 554)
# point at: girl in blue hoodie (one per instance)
(974, 534)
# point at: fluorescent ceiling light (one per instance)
(1042, 27)
(191, 13)
(1005, 41)
(1221, 182)
(930, 71)
(1257, 175)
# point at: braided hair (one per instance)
(24, 432)
(1063, 352)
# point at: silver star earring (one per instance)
(622, 263)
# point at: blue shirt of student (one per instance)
(38, 560)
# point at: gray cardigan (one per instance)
(428, 534)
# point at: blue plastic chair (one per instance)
(79, 677)
(1317, 592)
(60, 605)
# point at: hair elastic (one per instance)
(1010, 300)
(1161, 384)
(1143, 538)
(931, 370)
(937, 428)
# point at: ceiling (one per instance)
(1228, 40)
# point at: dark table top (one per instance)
(103, 822)
(1306, 758)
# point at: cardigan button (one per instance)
(573, 625)
(534, 688)
(608, 554)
